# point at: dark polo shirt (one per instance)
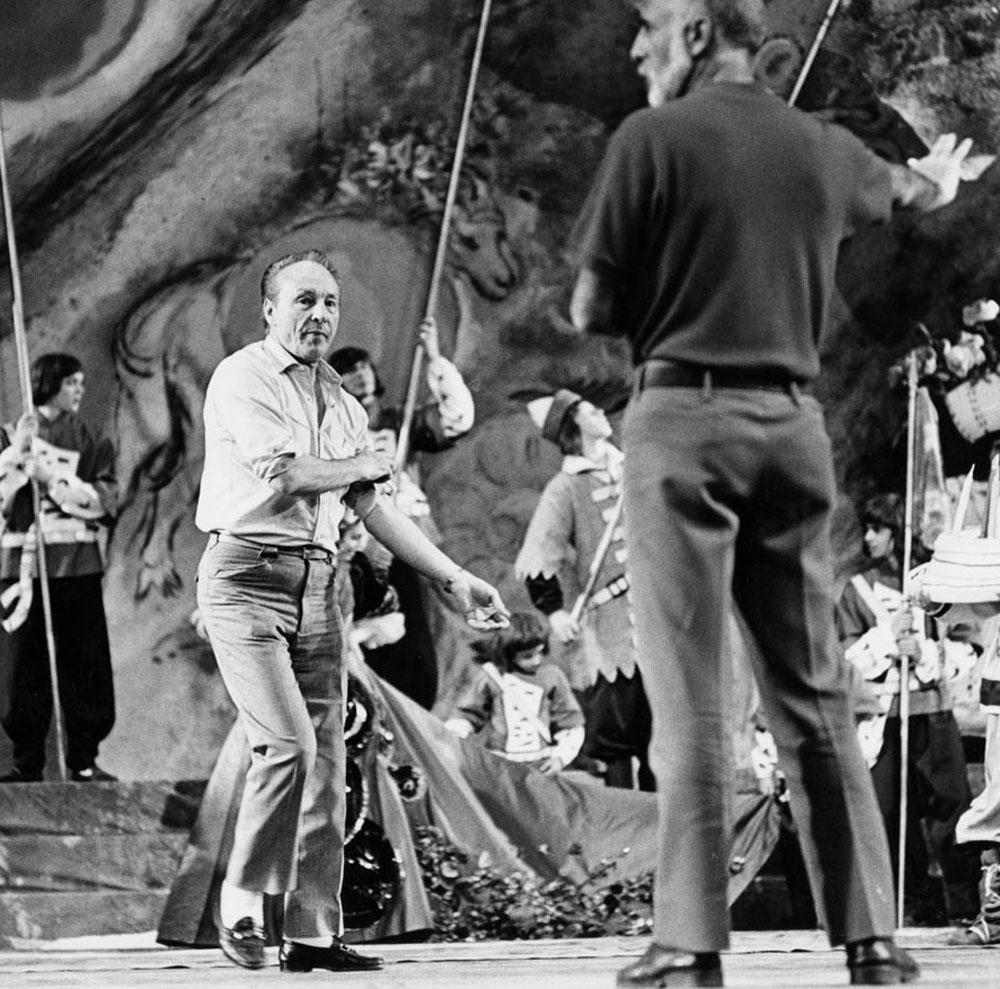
(719, 216)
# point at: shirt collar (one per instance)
(575, 463)
(284, 361)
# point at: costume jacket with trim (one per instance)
(72, 548)
(524, 716)
(562, 539)
(871, 647)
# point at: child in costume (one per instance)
(961, 585)
(876, 627)
(411, 662)
(521, 706)
(75, 473)
(575, 513)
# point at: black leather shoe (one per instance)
(92, 774)
(661, 966)
(880, 962)
(243, 943)
(339, 957)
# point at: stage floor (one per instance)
(770, 959)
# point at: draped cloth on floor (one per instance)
(524, 821)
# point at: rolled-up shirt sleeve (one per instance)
(255, 420)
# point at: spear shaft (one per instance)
(24, 374)
(413, 388)
(824, 27)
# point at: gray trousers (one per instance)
(727, 497)
(276, 632)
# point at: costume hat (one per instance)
(549, 411)
(965, 566)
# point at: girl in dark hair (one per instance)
(521, 706)
(49, 375)
(76, 479)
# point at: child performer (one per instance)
(521, 706)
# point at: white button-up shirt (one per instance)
(260, 411)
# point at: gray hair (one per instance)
(268, 286)
(742, 23)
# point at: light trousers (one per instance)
(275, 629)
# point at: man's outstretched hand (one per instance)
(945, 166)
(479, 602)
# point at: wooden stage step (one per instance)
(89, 858)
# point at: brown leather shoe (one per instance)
(243, 943)
(339, 957)
(661, 966)
(880, 962)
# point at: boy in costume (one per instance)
(565, 533)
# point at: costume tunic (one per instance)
(521, 715)
(74, 569)
(717, 218)
(940, 791)
(563, 537)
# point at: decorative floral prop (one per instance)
(402, 165)
(963, 369)
(974, 354)
(473, 901)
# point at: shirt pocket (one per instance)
(302, 431)
(335, 441)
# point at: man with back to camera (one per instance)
(710, 239)
(286, 448)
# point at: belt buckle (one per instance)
(313, 553)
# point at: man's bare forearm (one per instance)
(307, 475)
(404, 540)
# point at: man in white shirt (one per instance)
(286, 448)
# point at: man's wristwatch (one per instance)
(448, 584)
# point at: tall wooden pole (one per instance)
(824, 27)
(904, 662)
(24, 374)
(413, 388)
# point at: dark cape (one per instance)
(526, 822)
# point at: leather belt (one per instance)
(677, 374)
(266, 550)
